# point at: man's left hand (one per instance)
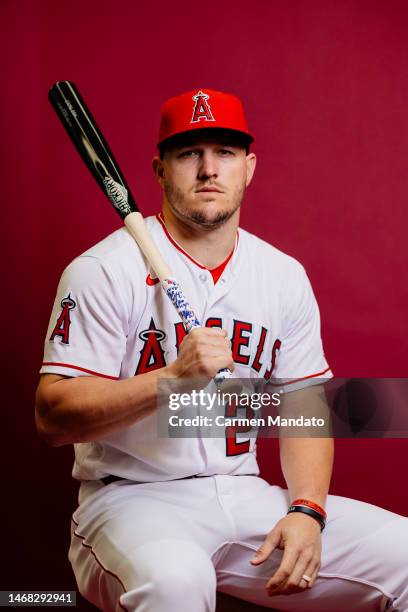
(298, 535)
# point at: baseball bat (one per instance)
(95, 152)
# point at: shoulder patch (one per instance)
(63, 323)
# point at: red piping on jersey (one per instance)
(174, 243)
(215, 272)
(299, 379)
(82, 538)
(74, 367)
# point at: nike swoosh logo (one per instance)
(151, 281)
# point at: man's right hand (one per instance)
(87, 408)
(203, 352)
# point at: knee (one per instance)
(389, 542)
(389, 556)
(191, 583)
(171, 581)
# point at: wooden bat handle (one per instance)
(137, 228)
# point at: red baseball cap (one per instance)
(202, 109)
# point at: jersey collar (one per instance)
(216, 272)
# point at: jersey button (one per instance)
(203, 277)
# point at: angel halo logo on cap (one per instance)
(202, 109)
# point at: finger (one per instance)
(305, 565)
(289, 559)
(300, 578)
(209, 331)
(217, 363)
(313, 574)
(266, 549)
(224, 361)
(204, 341)
(305, 581)
(209, 349)
(204, 354)
(202, 334)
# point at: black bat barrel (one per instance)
(91, 145)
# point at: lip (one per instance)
(208, 190)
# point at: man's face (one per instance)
(204, 180)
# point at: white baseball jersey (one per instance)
(111, 319)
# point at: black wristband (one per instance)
(306, 510)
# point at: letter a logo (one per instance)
(62, 325)
(152, 353)
(202, 110)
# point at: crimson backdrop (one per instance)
(325, 85)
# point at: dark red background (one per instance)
(325, 85)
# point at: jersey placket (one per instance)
(209, 293)
(224, 283)
(216, 292)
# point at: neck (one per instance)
(210, 247)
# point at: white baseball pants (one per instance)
(167, 546)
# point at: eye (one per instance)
(187, 154)
(226, 152)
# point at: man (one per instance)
(162, 523)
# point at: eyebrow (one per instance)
(189, 145)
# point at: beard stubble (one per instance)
(177, 202)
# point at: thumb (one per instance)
(266, 549)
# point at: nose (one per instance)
(208, 166)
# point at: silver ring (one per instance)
(306, 578)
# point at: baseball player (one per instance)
(162, 523)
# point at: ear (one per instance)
(250, 164)
(158, 169)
